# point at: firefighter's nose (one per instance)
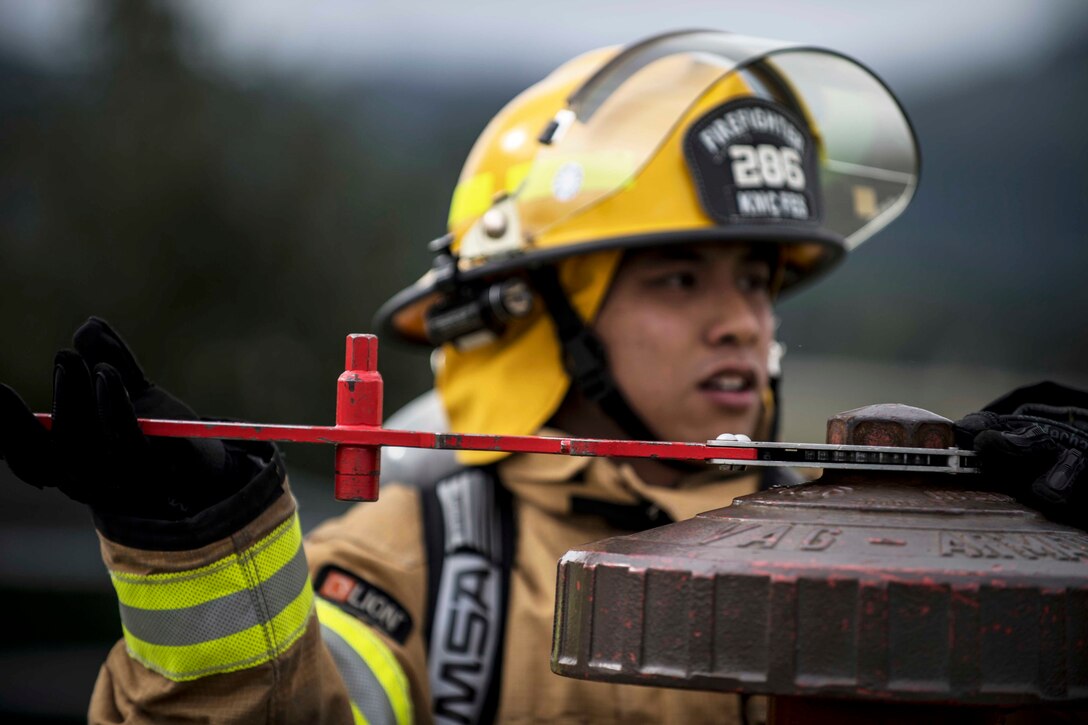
(734, 320)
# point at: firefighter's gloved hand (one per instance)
(1033, 444)
(96, 453)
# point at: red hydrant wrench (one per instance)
(358, 435)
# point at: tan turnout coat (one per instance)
(383, 543)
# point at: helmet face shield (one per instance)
(868, 154)
(864, 158)
(696, 136)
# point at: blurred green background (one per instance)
(235, 221)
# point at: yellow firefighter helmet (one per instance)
(683, 137)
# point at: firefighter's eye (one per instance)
(754, 277)
(678, 280)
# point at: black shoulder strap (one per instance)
(468, 520)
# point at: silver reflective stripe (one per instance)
(363, 686)
(219, 617)
(467, 618)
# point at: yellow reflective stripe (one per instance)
(234, 573)
(357, 717)
(471, 198)
(601, 171)
(248, 648)
(375, 654)
(516, 174)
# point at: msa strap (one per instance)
(469, 524)
(468, 520)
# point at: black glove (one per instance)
(96, 453)
(1033, 444)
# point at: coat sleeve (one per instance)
(369, 568)
(232, 632)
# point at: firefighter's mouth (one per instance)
(729, 382)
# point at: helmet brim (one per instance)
(817, 251)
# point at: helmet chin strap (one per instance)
(584, 356)
(586, 361)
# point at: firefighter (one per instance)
(617, 240)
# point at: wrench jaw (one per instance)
(885, 437)
(864, 458)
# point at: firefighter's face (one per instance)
(688, 331)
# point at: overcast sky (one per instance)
(907, 42)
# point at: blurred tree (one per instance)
(234, 233)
